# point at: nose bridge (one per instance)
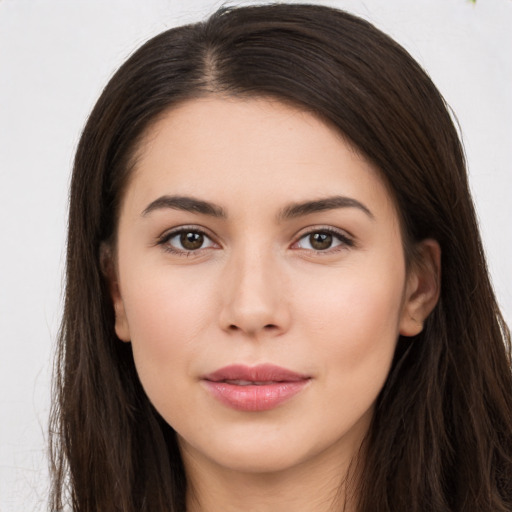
(253, 295)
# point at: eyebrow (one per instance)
(294, 210)
(329, 203)
(185, 203)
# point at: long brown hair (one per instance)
(441, 436)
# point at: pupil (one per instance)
(320, 241)
(191, 241)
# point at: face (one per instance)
(260, 279)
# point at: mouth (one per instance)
(249, 382)
(254, 389)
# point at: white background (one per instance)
(55, 57)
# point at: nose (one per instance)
(255, 302)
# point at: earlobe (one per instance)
(121, 324)
(109, 272)
(422, 288)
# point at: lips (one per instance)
(256, 388)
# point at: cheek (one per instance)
(166, 314)
(353, 303)
(355, 323)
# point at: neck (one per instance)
(304, 488)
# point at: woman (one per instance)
(276, 292)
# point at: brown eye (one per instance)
(191, 240)
(323, 240)
(186, 241)
(320, 241)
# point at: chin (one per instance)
(268, 449)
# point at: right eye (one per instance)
(185, 241)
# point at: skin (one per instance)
(260, 291)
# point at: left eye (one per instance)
(187, 240)
(322, 240)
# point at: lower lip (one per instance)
(255, 398)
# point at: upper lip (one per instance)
(259, 373)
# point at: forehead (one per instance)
(247, 151)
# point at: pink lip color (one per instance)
(257, 388)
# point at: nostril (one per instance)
(268, 327)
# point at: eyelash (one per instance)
(345, 240)
(166, 237)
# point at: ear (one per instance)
(423, 287)
(109, 271)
